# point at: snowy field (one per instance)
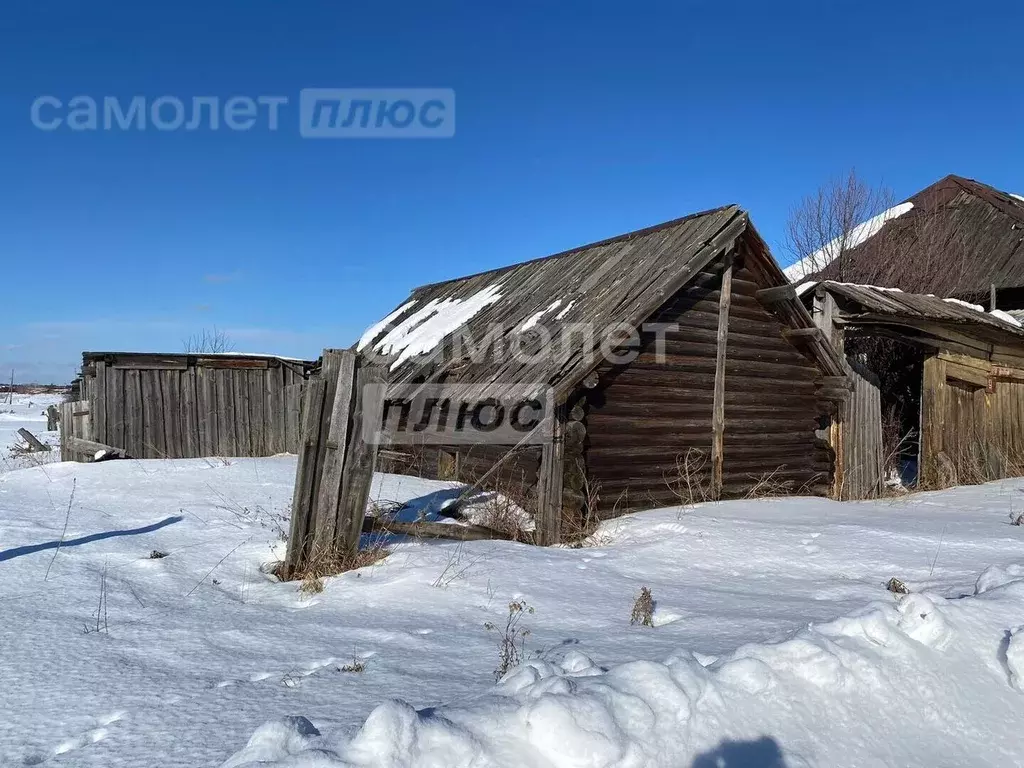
(151, 636)
(26, 412)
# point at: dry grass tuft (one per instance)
(325, 563)
(512, 643)
(690, 481)
(643, 609)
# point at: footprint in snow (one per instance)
(91, 736)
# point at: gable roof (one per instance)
(621, 280)
(953, 238)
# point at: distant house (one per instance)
(957, 237)
(730, 405)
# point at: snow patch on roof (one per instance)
(425, 328)
(1006, 317)
(1019, 197)
(534, 319)
(856, 236)
(975, 307)
(565, 310)
(374, 330)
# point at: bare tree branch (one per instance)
(825, 226)
(210, 341)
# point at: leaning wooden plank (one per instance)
(332, 467)
(292, 416)
(90, 448)
(360, 456)
(34, 443)
(302, 498)
(428, 530)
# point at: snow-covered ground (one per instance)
(26, 412)
(110, 657)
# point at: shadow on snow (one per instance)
(28, 549)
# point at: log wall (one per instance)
(649, 423)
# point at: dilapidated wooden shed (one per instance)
(153, 406)
(727, 401)
(945, 377)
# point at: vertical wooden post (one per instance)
(338, 411)
(718, 412)
(991, 297)
(933, 386)
(549, 487)
(98, 404)
(824, 316)
(360, 456)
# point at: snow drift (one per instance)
(919, 680)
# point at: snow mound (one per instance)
(1015, 658)
(998, 576)
(862, 669)
(278, 740)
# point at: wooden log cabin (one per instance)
(725, 401)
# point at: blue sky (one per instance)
(575, 121)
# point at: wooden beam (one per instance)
(91, 447)
(776, 294)
(549, 490)
(361, 455)
(332, 467)
(34, 443)
(430, 530)
(305, 476)
(718, 407)
(798, 335)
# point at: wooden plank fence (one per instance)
(189, 406)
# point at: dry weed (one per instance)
(512, 642)
(643, 609)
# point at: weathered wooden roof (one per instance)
(868, 302)
(960, 237)
(621, 280)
